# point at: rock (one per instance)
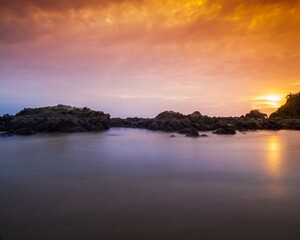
(24, 132)
(195, 116)
(203, 135)
(8, 133)
(154, 126)
(167, 115)
(192, 134)
(228, 130)
(172, 136)
(59, 118)
(5, 122)
(256, 114)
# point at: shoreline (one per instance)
(67, 119)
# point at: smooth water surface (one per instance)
(139, 185)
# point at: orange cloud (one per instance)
(205, 51)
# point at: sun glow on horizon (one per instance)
(268, 101)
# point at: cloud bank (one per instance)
(214, 56)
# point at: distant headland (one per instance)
(62, 118)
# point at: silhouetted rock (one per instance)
(291, 109)
(195, 116)
(59, 118)
(192, 134)
(172, 136)
(8, 133)
(256, 114)
(25, 132)
(154, 126)
(5, 122)
(203, 135)
(228, 130)
(168, 115)
(63, 118)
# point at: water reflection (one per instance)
(274, 166)
(136, 184)
(274, 157)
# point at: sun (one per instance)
(268, 101)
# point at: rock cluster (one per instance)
(191, 123)
(59, 118)
(63, 118)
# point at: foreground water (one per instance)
(136, 184)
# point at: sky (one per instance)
(141, 57)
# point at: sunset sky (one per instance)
(141, 57)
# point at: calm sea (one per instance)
(131, 184)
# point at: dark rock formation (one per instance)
(227, 130)
(256, 114)
(131, 123)
(192, 134)
(59, 118)
(170, 121)
(24, 131)
(63, 118)
(184, 124)
(5, 122)
(291, 109)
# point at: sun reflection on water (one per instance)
(274, 157)
(274, 166)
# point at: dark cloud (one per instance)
(18, 23)
(21, 7)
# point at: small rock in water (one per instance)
(229, 130)
(203, 135)
(172, 136)
(192, 134)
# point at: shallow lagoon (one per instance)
(137, 184)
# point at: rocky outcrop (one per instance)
(256, 114)
(170, 121)
(130, 122)
(59, 118)
(185, 124)
(193, 134)
(5, 122)
(291, 109)
(226, 130)
(63, 118)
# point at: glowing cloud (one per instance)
(268, 101)
(205, 52)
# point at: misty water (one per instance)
(139, 185)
